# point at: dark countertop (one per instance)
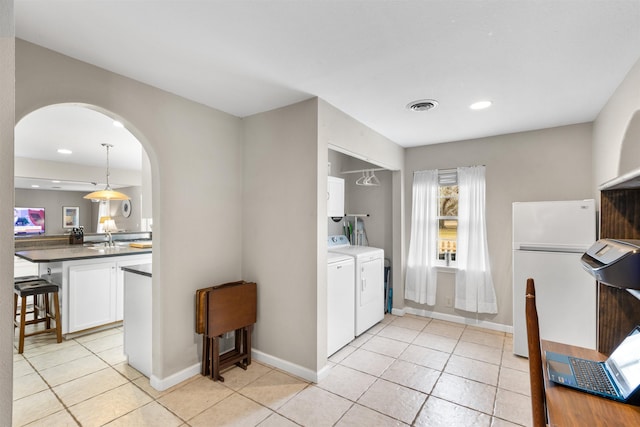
(78, 252)
(141, 269)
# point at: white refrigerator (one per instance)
(548, 240)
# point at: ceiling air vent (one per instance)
(422, 105)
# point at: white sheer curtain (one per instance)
(474, 285)
(420, 283)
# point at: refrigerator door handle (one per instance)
(544, 248)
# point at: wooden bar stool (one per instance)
(35, 287)
(23, 279)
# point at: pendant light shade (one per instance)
(107, 193)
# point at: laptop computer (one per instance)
(617, 378)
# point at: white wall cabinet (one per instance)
(335, 197)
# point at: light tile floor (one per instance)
(404, 371)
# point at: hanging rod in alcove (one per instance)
(365, 170)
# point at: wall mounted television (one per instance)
(28, 221)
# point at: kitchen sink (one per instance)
(103, 248)
(103, 245)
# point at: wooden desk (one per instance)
(568, 407)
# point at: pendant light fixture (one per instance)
(107, 193)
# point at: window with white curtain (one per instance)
(448, 215)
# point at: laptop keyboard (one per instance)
(591, 376)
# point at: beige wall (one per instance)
(549, 164)
(7, 122)
(45, 169)
(375, 201)
(342, 133)
(52, 202)
(195, 155)
(280, 234)
(610, 128)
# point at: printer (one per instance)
(615, 262)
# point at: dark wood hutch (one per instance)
(619, 310)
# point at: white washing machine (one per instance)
(369, 281)
(340, 301)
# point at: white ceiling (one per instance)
(543, 63)
(80, 130)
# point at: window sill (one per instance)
(451, 269)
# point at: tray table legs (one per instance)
(213, 362)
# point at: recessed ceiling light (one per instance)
(118, 124)
(422, 105)
(480, 105)
(64, 151)
(55, 181)
(35, 186)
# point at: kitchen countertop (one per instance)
(78, 252)
(141, 269)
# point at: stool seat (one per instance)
(35, 287)
(21, 279)
(39, 289)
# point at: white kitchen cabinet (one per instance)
(92, 290)
(92, 295)
(125, 262)
(335, 197)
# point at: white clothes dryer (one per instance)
(340, 301)
(369, 281)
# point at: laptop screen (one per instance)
(624, 363)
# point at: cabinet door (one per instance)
(335, 197)
(92, 295)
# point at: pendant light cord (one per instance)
(107, 146)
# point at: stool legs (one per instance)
(23, 321)
(47, 310)
(56, 303)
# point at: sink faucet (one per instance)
(110, 239)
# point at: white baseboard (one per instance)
(398, 311)
(292, 368)
(162, 384)
(458, 319)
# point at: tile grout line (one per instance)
(64, 406)
(129, 381)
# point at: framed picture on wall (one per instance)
(70, 216)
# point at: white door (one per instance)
(369, 294)
(565, 299)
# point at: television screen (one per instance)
(28, 221)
